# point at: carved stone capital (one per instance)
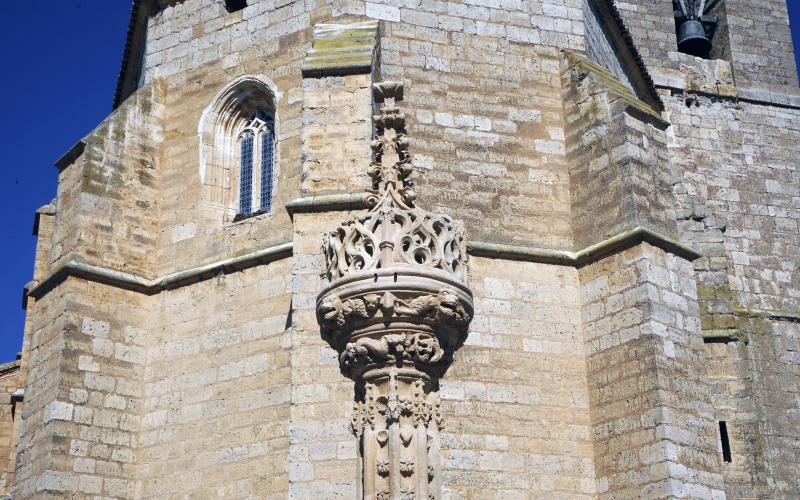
(399, 318)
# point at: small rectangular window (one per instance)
(234, 5)
(726, 445)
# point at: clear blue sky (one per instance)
(61, 59)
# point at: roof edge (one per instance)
(141, 10)
(644, 85)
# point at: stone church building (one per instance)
(422, 249)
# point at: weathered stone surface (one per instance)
(170, 350)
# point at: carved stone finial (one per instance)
(396, 309)
(395, 233)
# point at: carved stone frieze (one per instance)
(396, 309)
(412, 347)
(444, 307)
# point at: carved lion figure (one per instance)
(444, 306)
(331, 311)
(449, 306)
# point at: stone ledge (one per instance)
(792, 317)
(70, 156)
(328, 202)
(341, 49)
(586, 256)
(775, 100)
(617, 88)
(146, 286)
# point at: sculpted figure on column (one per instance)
(396, 309)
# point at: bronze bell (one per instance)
(692, 38)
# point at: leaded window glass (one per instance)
(246, 174)
(257, 140)
(267, 159)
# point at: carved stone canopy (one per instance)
(396, 273)
(396, 308)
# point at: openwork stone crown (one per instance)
(394, 232)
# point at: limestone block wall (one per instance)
(482, 94)
(200, 49)
(217, 388)
(652, 26)
(83, 392)
(10, 406)
(620, 169)
(322, 458)
(484, 108)
(107, 202)
(761, 47)
(516, 398)
(775, 379)
(652, 420)
(738, 171)
(732, 396)
(740, 162)
(337, 128)
(43, 230)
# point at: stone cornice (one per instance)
(626, 239)
(70, 156)
(146, 286)
(586, 256)
(328, 202)
(790, 316)
(649, 112)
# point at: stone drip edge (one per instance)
(132, 282)
(357, 201)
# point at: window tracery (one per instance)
(239, 164)
(256, 141)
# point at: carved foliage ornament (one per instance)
(394, 232)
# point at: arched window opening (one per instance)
(238, 151)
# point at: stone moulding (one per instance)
(351, 201)
(788, 316)
(650, 110)
(146, 286)
(70, 156)
(586, 256)
(396, 308)
(328, 202)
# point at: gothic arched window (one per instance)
(256, 147)
(239, 164)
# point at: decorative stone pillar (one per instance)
(396, 309)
